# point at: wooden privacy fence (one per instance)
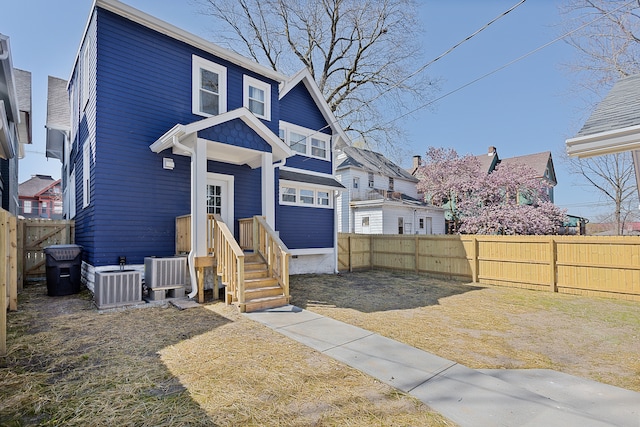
(8, 273)
(33, 236)
(581, 265)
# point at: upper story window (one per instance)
(257, 97)
(356, 182)
(370, 176)
(209, 91)
(391, 184)
(306, 142)
(26, 207)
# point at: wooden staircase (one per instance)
(261, 291)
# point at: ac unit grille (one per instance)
(117, 288)
(162, 272)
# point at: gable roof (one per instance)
(174, 32)
(280, 150)
(614, 125)
(305, 77)
(539, 162)
(371, 161)
(57, 117)
(36, 185)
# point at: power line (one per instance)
(504, 66)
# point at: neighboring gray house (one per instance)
(381, 197)
(614, 126)
(15, 124)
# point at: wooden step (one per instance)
(260, 282)
(263, 303)
(256, 274)
(254, 265)
(263, 292)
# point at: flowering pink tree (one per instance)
(510, 200)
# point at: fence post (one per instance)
(20, 253)
(350, 253)
(416, 248)
(370, 251)
(475, 263)
(12, 264)
(552, 264)
(4, 238)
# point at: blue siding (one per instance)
(142, 88)
(291, 105)
(237, 133)
(302, 227)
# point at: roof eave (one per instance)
(609, 142)
(172, 31)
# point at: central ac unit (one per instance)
(117, 288)
(163, 272)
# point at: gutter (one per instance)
(192, 252)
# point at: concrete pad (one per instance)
(470, 399)
(280, 317)
(323, 334)
(616, 405)
(391, 362)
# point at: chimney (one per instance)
(492, 151)
(417, 161)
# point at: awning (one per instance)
(315, 180)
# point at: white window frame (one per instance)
(198, 63)
(71, 196)
(287, 128)
(26, 206)
(370, 179)
(86, 174)
(356, 182)
(85, 74)
(305, 192)
(249, 82)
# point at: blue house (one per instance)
(169, 132)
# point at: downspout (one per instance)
(335, 232)
(192, 252)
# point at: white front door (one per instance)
(220, 197)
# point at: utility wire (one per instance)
(504, 66)
(442, 55)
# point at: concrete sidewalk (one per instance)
(468, 397)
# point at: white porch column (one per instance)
(199, 191)
(268, 190)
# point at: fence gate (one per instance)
(33, 236)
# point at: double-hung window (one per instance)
(209, 91)
(291, 194)
(257, 97)
(306, 142)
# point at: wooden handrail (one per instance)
(230, 259)
(267, 243)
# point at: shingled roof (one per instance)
(371, 161)
(36, 185)
(539, 162)
(619, 109)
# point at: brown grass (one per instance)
(486, 326)
(69, 365)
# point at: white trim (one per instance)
(311, 251)
(86, 173)
(229, 180)
(85, 67)
(309, 134)
(197, 64)
(305, 76)
(174, 32)
(299, 186)
(268, 190)
(610, 142)
(308, 172)
(248, 82)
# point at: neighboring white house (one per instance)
(381, 197)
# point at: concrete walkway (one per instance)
(466, 396)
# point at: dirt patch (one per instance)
(486, 326)
(70, 365)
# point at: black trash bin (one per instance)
(63, 264)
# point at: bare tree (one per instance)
(608, 48)
(360, 52)
(607, 42)
(613, 176)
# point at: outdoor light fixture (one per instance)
(167, 163)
